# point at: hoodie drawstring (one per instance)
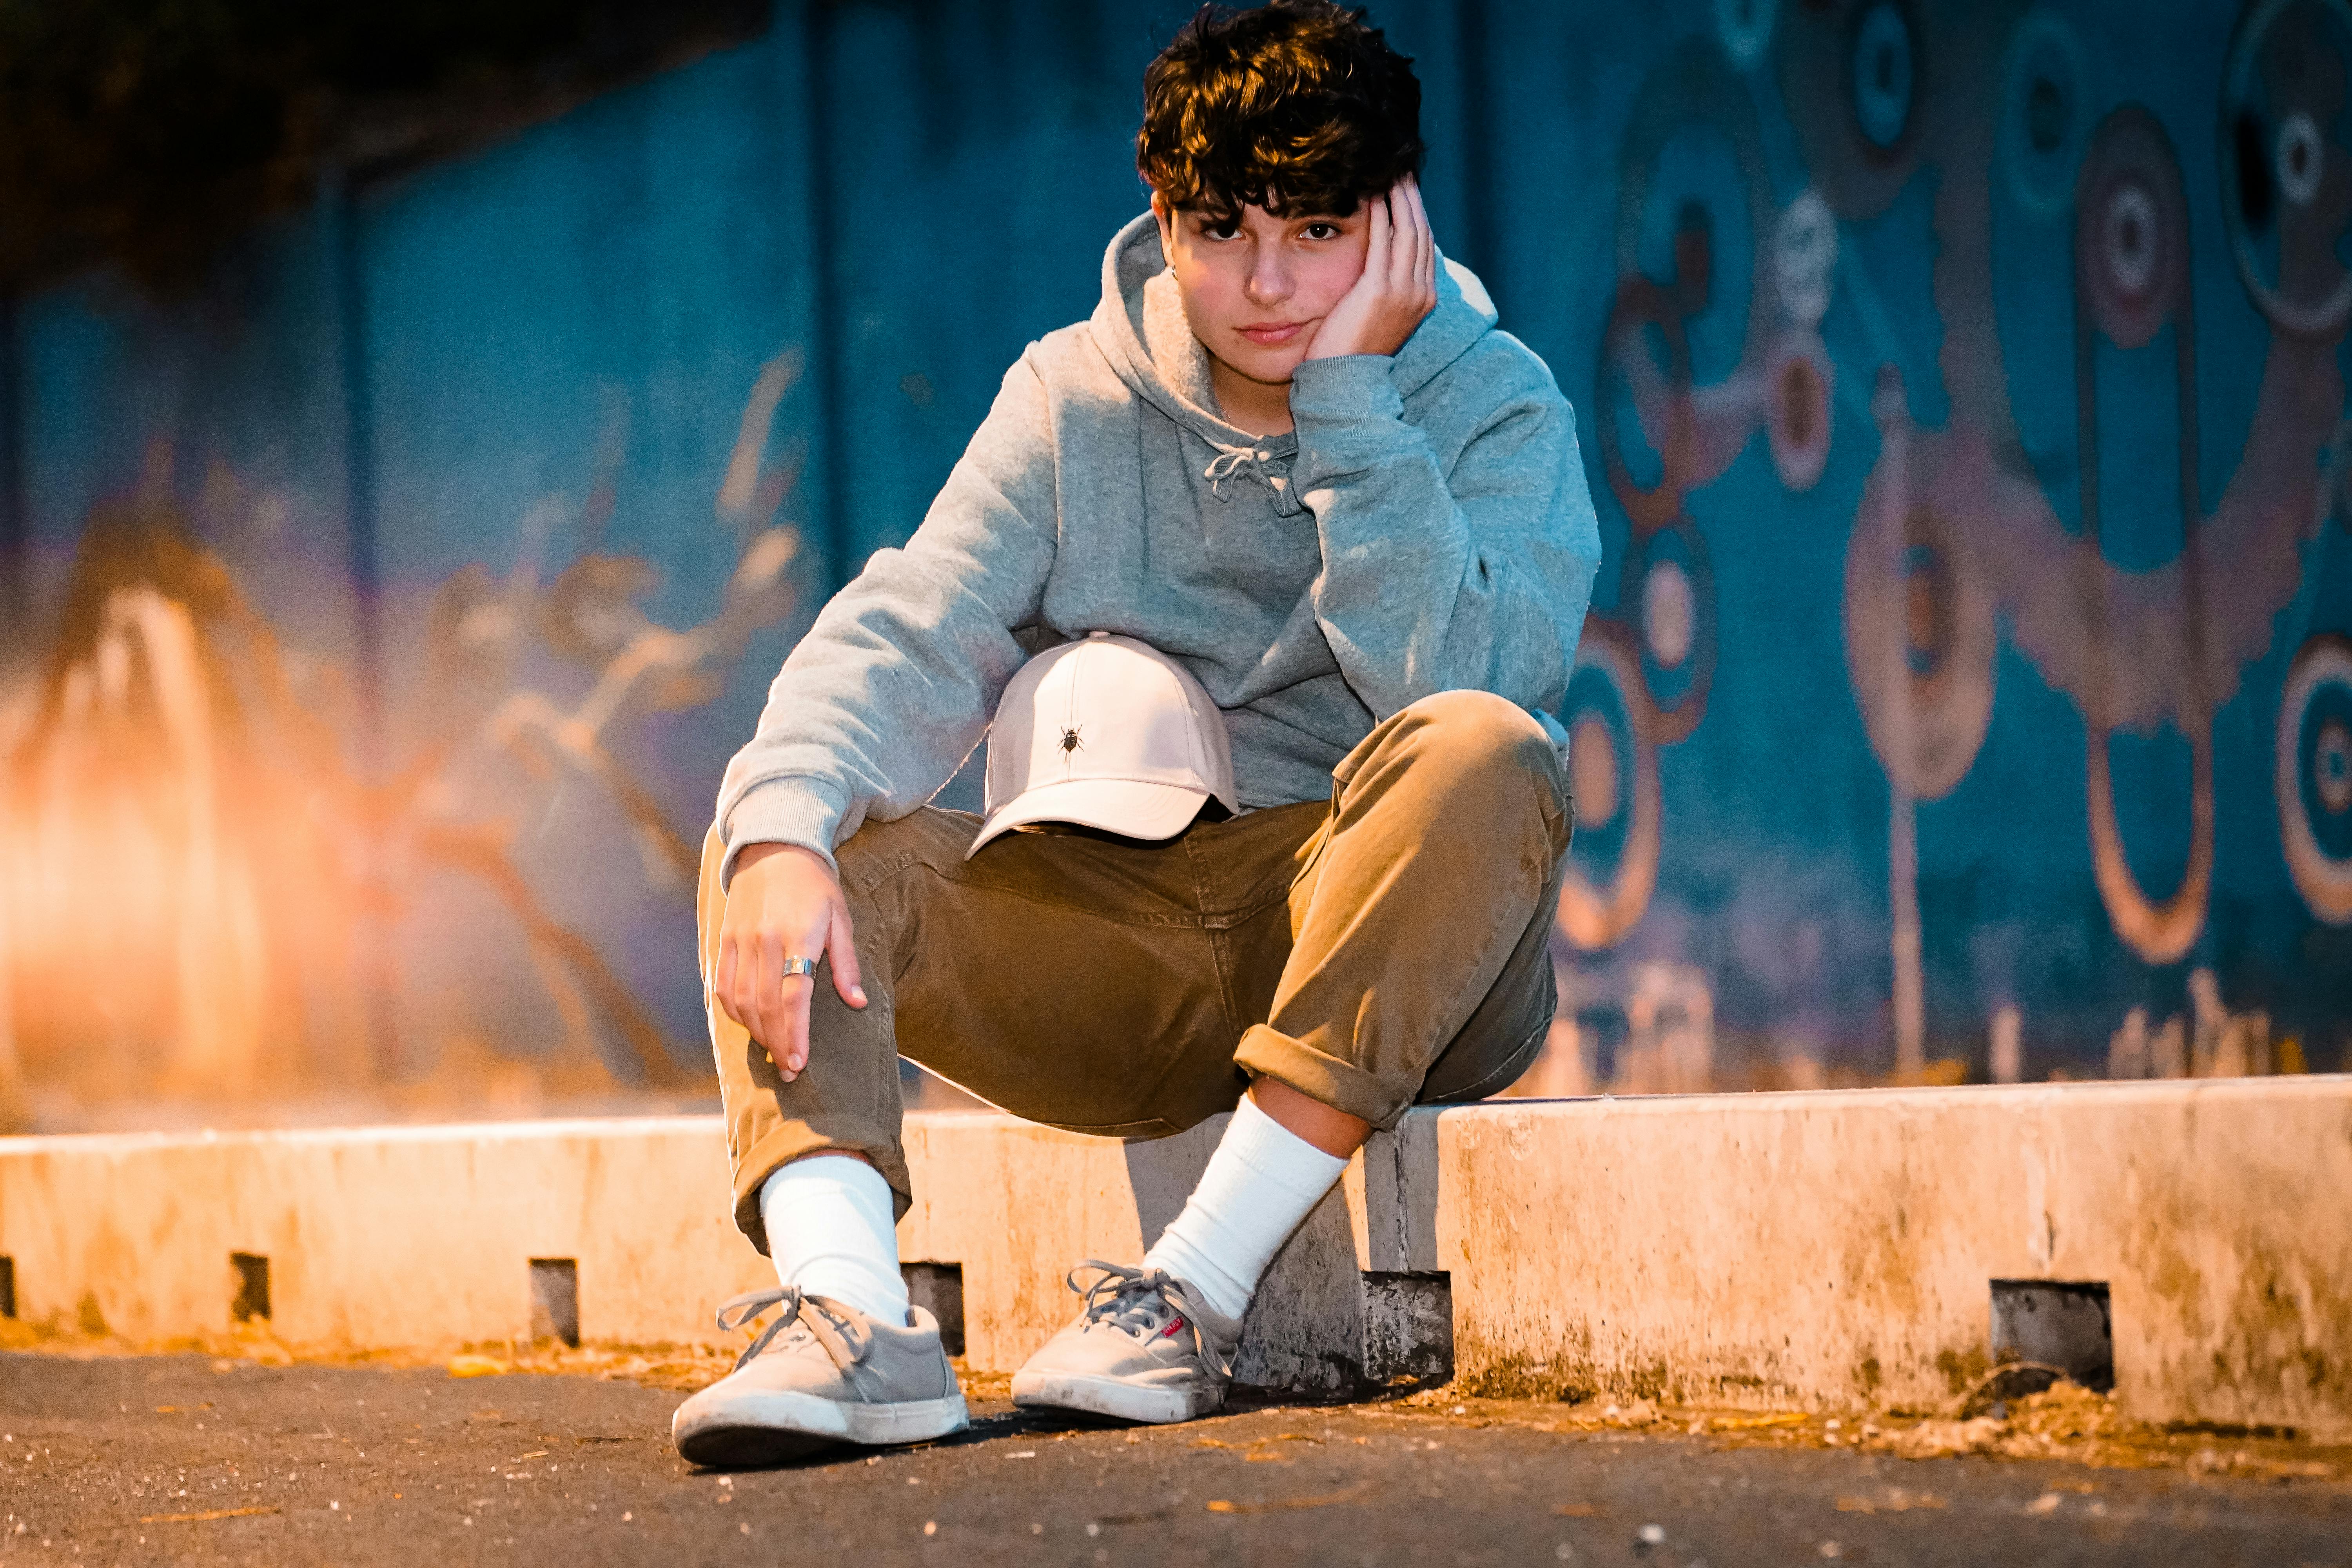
(1226, 465)
(1232, 460)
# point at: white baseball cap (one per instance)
(1106, 733)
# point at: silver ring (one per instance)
(796, 965)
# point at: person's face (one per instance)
(1256, 288)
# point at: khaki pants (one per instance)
(1383, 949)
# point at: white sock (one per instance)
(1259, 1185)
(830, 1232)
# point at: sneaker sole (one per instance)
(759, 1430)
(1112, 1397)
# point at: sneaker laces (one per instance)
(844, 1336)
(1121, 1297)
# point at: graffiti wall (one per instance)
(1974, 686)
(1969, 691)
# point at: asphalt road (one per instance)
(180, 1459)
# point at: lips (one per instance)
(1273, 334)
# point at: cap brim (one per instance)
(1125, 806)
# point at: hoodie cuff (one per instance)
(781, 811)
(1348, 417)
(1345, 388)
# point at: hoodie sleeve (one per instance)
(891, 689)
(1439, 577)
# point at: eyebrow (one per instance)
(1202, 215)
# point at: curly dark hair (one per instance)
(1298, 106)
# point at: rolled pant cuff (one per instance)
(1341, 1085)
(782, 1144)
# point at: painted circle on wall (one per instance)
(2127, 241)
(1667, 613)
(1746, 27)
(1920, 640)
(2331, 765)
(1673, 583)
(2315, 775)
(2302, 158)
(2286, 174)
(1885, 60)
(2131, 229)
(1594, 760)
(1796, 409)
(1613, 867)
(1804, 257)
(2045, 119)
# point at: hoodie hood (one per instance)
(1142, 331)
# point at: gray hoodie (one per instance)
(1426, 528)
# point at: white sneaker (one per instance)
(822, 1372)
(1145, 1348)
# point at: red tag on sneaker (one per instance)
(1170, 1332)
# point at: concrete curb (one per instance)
(1827, 1249)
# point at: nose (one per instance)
(1268, 282)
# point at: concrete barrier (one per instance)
(1834, 1250)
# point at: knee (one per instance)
(1478, 733)
(1483, 760)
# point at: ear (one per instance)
(1166, 215)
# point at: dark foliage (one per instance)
(145, 132)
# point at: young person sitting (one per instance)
(1291, 464)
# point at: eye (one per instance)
(1322, 231)
(1215, 230)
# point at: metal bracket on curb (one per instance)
(251, 1302)
(937, 1289)
(2067, 1324)
(555, 1300)
(1408, 1327)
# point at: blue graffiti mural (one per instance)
(1969, 685)
(2062, 389)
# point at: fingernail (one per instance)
(858, 995)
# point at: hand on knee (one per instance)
(784, 913)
